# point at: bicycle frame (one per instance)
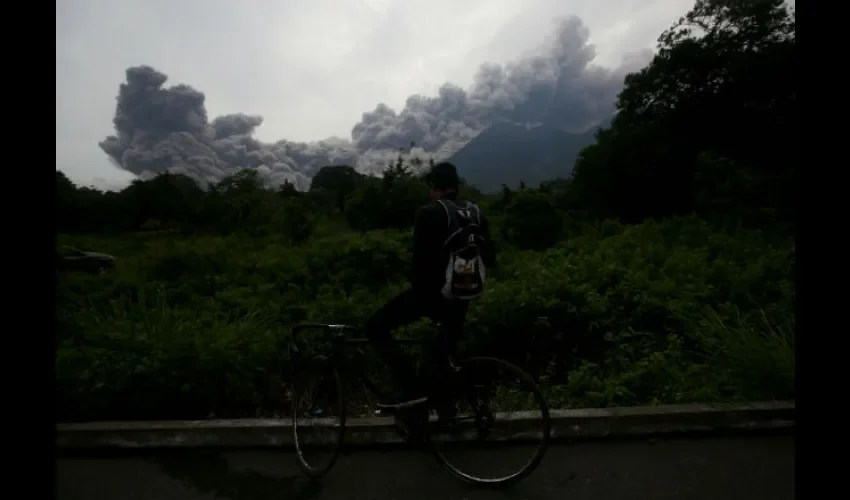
(416, 425)
(342, 363)
(339, 342)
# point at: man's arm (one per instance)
(426, 247)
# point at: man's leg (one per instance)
(403, 309)
(451, 316)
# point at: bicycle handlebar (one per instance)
(340, 331)
(338, 328)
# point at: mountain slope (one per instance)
(507, 154)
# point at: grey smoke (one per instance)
(159, 128)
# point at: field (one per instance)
(191, 326)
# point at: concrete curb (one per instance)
(566, 425)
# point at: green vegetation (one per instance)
(662, 272)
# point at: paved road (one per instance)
(751, 468)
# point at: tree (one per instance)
(392, 200)
(288, 190)
(531, 221)
(172, 199)
(66, 203)
(723, 81)
(341, 180)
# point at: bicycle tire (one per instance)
(316, 471)
(539, 453)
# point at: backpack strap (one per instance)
(477, 213)
(448, 214)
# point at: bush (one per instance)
(143, 359)
(386, 204)
(616, 315)
(531, 221)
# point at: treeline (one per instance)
(709, 126)
(242, 203)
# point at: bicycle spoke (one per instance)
(472, 444)
(318, 416)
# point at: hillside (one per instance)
(507, 154)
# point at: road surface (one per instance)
(736, 468)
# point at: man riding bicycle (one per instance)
(452, 249)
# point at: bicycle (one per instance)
(463, 382)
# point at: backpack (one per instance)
(465, 273)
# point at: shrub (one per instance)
(614, 315)
(531, 221)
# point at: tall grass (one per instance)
(129, 357)
(752, 356)
(744, 357)
(190, 325)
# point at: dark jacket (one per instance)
(430, 231)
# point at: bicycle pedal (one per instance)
(386, 412)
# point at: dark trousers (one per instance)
(403, 309)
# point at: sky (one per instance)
(312, 69)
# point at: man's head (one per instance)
(442, 179)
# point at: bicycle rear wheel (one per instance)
(318, 414)
(495, 410)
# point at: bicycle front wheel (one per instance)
(494, 426)
(318, 415)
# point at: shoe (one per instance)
(403, 401)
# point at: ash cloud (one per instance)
(162, 128)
